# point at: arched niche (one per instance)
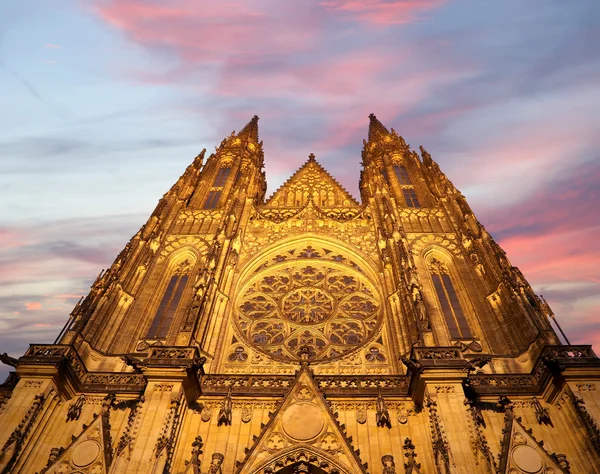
(315, 460)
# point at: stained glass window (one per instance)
(168, 306)
(402, 174)
(453, 313)
(410, 197)
(221, 178)
(212, 199)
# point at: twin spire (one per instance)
(376, 129)
(250, 130)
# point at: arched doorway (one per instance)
(302, 468)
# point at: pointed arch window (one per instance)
(214, 195)
(212, 199)
(408, 190)
(167, 309)
(221, 177)
(451, 308)
(402, 175)
(384, 172)
(410, 196)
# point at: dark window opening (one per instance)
(212, 199)
(410, 196)
(221, 178)
(168, 306)
(453, 313)
(402, 174)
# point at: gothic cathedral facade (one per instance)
(306, 333)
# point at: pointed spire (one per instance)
(376, 128)
(250, 130)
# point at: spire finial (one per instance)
(376, 128)
(250, 130)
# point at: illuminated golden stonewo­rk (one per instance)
(306, 333)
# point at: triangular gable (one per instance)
(302, 430)
(88, 453)
(521, 452)
(311, 180)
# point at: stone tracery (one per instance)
(318, 306)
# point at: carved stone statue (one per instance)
(8, 360)
(216, 464)
(389, 466)
(421, 310)
(382, 415)
(411, 466)
(74, 411)
(196, 452)
(302, 469)
(226, 410)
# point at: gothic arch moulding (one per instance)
(174, 244)
(308, 296)
(421, 243)
(171, 290)
(285, 461)
(452, 299)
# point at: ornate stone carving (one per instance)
(216, 463)
(173, 243)
(14, 443)
(541, 414)
(361, 415)
(165, 442)
(448, 241)
(588, 421)
(479, 443)
(130, 431)
(382, 415)
(206, 413)
(411, 466)
(329, 309)
(225, 412)
(389, 466)
(437, 353)
(54, 455)
(246, 413)
(441, 450)
(196, 452)
(8, 360)
(74, 411)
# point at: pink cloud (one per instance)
(33, 306)
(383, 12)
(52, 46)
(560, 256)
(212, 32)
(11, 238)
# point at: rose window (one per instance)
(307, 305)
(323, 309)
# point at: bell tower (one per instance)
(306, 332)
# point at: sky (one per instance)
(105, 102)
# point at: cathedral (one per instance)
(306, 332)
